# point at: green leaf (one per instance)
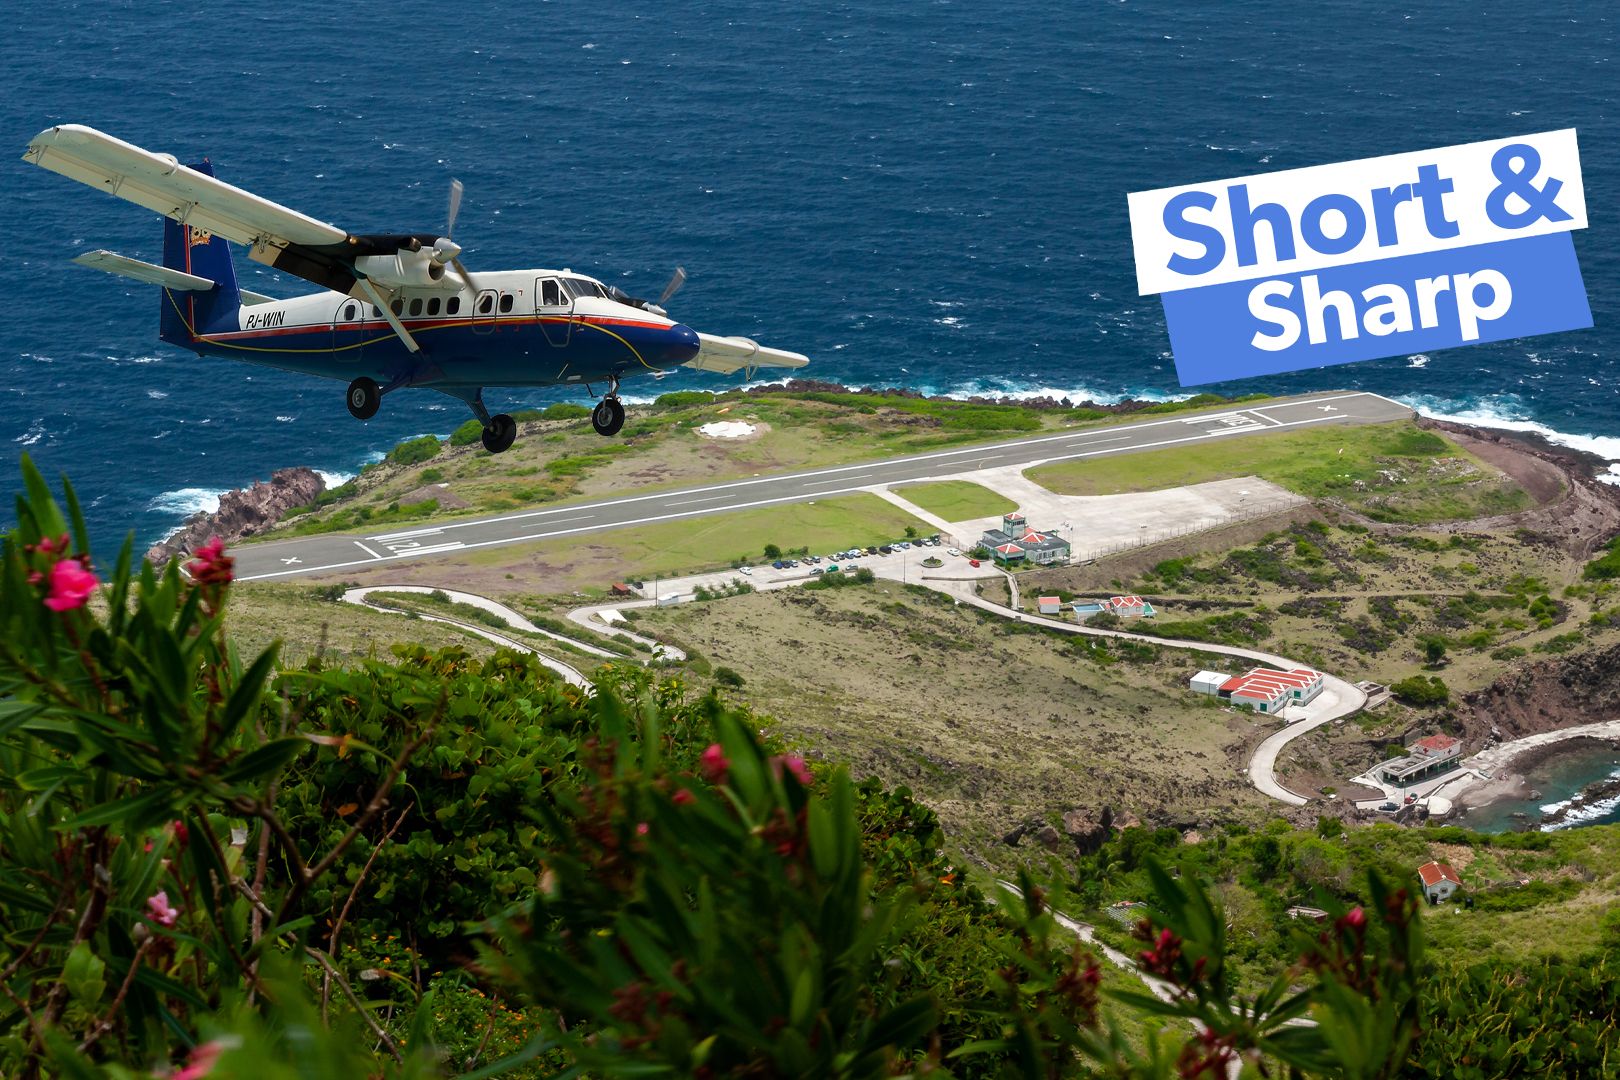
(84, 975)
(902, 1026)
(249, 688)
(273, 755)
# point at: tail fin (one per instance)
(187, 314)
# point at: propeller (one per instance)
(446, 250)
(676, 280)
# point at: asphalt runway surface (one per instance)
(280, 559)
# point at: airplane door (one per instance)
(555, 306)
(349, 330)
(484, 312)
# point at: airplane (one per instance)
(390, 316)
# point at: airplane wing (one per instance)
(278, 236)
(727, 355)
(152, 274)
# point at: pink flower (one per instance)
(1355, 919)
(211, 566)
(71, 585)
(715, 764)
(641, 828)
(159, 911)
(796, 766)
(201, 1061)
(683, 797)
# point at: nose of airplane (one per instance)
(683, 343)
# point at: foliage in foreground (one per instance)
(184, 862)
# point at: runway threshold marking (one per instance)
(365, 549)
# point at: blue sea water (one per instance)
(924, 194)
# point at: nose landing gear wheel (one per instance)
(364, 398)
(608, 416)
(500, 433)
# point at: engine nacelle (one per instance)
(402, 268)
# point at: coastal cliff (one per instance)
(1581, 688)
(244, 512)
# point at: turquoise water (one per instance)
(1558, 780)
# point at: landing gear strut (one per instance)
(499, 433)
(608, 416)
(365, 396)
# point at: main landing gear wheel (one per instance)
(608, 416)
(364, 398)
(500, 433)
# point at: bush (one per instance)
(467, 434)
(414, 451)
(1422, 692)
(564, 410)
(727, 677)
(678, 398)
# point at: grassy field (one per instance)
(957, 500)
(989, 722)
(304, 620)
(588, 564)
(561, 459)
(1390, 472)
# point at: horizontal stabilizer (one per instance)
(159, 182)
(151, 273)
(254, 299)
(727, 355)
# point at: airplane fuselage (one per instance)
(520, 328)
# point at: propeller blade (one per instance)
(466, 278)
(675, 282)
(456, 189)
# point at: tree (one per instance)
(1434, 650)
(772, 551)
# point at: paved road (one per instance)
(337, 553)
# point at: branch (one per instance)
(105, 1024)
(373, 808)
(337, 927)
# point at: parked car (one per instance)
(749, 570)
(778, 565)
(973, 562)
(903, 545)
(871, 551)
(1389, 808)
(885, 550)
(832, 568)
(953, 553)
(814, 570)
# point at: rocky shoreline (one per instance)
(244, 512)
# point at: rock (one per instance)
(1089, 834)
(1048, 837)
(245, 512)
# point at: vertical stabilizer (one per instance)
(187, 314)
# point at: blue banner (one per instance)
(1387, 307)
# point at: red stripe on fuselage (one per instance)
(432, 324)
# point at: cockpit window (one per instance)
(551, 294)
(581, 287)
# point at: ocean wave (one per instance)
(334, 479)
(35, 432)
(1507, 413)
(187, 501)
(1585, 814)
(157, 395)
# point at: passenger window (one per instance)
(348, 313)
(433, 305)
(398, 306)
(376, 312)
(416, 306)
(485, 304)
(506, 302)
(452, 305)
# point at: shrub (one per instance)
(679, 398)
(1422, 692)
(564, 410)
(467, 434)
(727, 677)
(414, 451)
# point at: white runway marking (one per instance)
(365, 549)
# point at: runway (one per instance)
(281, 559)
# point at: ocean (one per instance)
(1557, 781)
(918, 194)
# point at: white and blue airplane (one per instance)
(391, 316)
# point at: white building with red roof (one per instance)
(1016, 542)
(1427, 757)
(1271, 691)
(1439, 881)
